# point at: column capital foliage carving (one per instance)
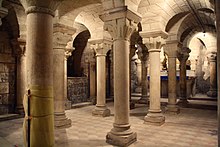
(19, 47)
(68, 52)
(154, 39)
(142, 53)
(36, 6)
(183, 54)
(171, 48)
(100, 46)
(120, 22)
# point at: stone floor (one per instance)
(193, 127)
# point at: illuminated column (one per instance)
(143, 55)
(40, 69)
(21, 75)
(170, 49)
(183, 55)
(101, 47)
(154, 41)
(212, 57)
(121, 28)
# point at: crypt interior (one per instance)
(99, 73)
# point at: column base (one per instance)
(212, 93)
(61, 121)
(183, 102)
(143, 100)
(172, 109)
(68, 105)
(154, 118)
(132, 105)
(121, 135)
(138, 89)
(102, 111)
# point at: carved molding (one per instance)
(212, 56)
(68, 52)
(154, 39)
(101, 46)
(121, 28)
(183, 54)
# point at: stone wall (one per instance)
(7, 75)
(78, 89)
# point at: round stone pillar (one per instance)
(101, 109)
(213, 74)
(154, 40)
(121, 28)
(60, 118)
(183, 55)
(172, 98)
(21, 76)
(40, 73)
(154, 116)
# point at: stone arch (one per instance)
(74, 68)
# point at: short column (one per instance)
(183, 55)
(121, 28)
(61, 121)
(154, 42)
(212, 57)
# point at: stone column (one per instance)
(40, 70)
(143, 55)
(154, 42)
(212, 57)
(183, 55)
(60, 39)
(21, 76)
(3, 12)
(101, 47)
(68, 53)
(118, 23)
(92, 79)
(170, 49)
(139, 68)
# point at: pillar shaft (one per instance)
(40, 77)
(92, 77)
(154, 55)
(154, 42)
(213, 75)
(21, 78)
(101, 109)
(59, 100)
(120, 28)
(183, 92)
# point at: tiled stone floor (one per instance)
(193, 127)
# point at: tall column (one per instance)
(60, 39)
(170, 49)
(183, 55)
(3, 12)
(217, 13)
(101, 47)
(40, 70)
(212, 57)
(143, 55)
(68, 53)
(154, 41)
(21, 76)
(139, 65)
(92, 79)
(118, 23)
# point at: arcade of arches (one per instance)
(60, 53)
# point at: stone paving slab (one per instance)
(191, 128)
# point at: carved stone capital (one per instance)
(154, 39)
(171, 48)
(68, 52)
(100, 46)
(120, 22)
(142, 53)
(183, 54)
(212, 56)
(35, 6)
